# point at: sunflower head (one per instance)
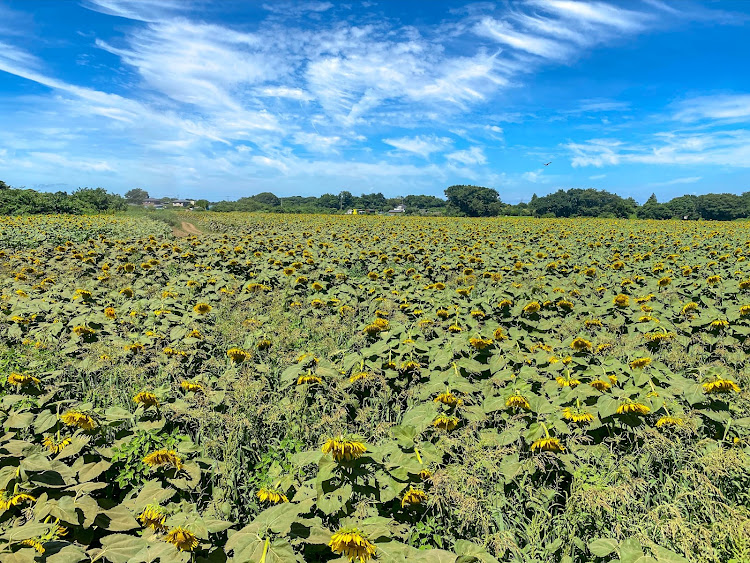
(153, 517)
(271, 496)
(413, 497)
(163, 458)
(343, 449)
(547, 444)
(351, 543)
(79, 419)
(202, 308)
(182, 539)
(518, 401)
(147, 399)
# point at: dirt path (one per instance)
(186, 229)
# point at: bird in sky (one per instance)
(548, 163)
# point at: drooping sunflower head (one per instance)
(721, 385)
(237, 355)
(445, 422)
(163, 458)
(531, 308)
(153, 517)
(413, 497)
(669, 421)
(640, 363)
(22, 379)
(633, 407)
(79, 419)
(271, 496)
(191, 387)
(147, 399)
(518, 401)
(567, 381)
(351, 543)
(182, 539)
(580, 344)
(601, 384)
(577, 415)
(480, 343)
(309, 379)
(343, 449)
(448, 398)
(547, 444)
(56, 446)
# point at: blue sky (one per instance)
(194, 98)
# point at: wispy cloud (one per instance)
(423, 145)
(722, 148)
(725, 107)
(473, 155)
(676, 181)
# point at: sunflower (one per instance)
(359, 376)
(478, 315)
(264, 344)
(9, 500)
(531, 308)
(633, 407)
(688, 307)
(135, 347)
(577, 415)
(78, 419)
(55, 446)
(640, 363)
(499, 334)
(413, 497)
(189, 387)
(153, 517)
(308, 379)
(713, 280)
(147, 399)
(745, 310)
(202, 308)
(161, 458)
(182, 539)
(721, 385)
(622, 300)
(21, 379)
(448, 398)
(601, 385)
(567, 381)
(665, 281)
(127, 292)
(445, 422)
(237, 356)
(350, 543)
(516, 400)
(343, 449)
(580, 344)
(719, 324)
(425, 474)
(669, 421)
(110, 313)
(83, 331)
(547, 444)
(480, 343)
(271, 496)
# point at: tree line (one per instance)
(460, 200)
(19, 201)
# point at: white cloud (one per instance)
(473, 155)
(285, 92)
(675, 181)
(727, 107)
(717, 148)
(315, 142)
(423, 145)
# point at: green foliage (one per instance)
(474, 201)
(136, 196)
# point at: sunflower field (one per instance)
(361, 388)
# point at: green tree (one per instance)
(267, 198)
(136, 196)
(202, 203)
(474, 201)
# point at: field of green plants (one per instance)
(363, 388)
